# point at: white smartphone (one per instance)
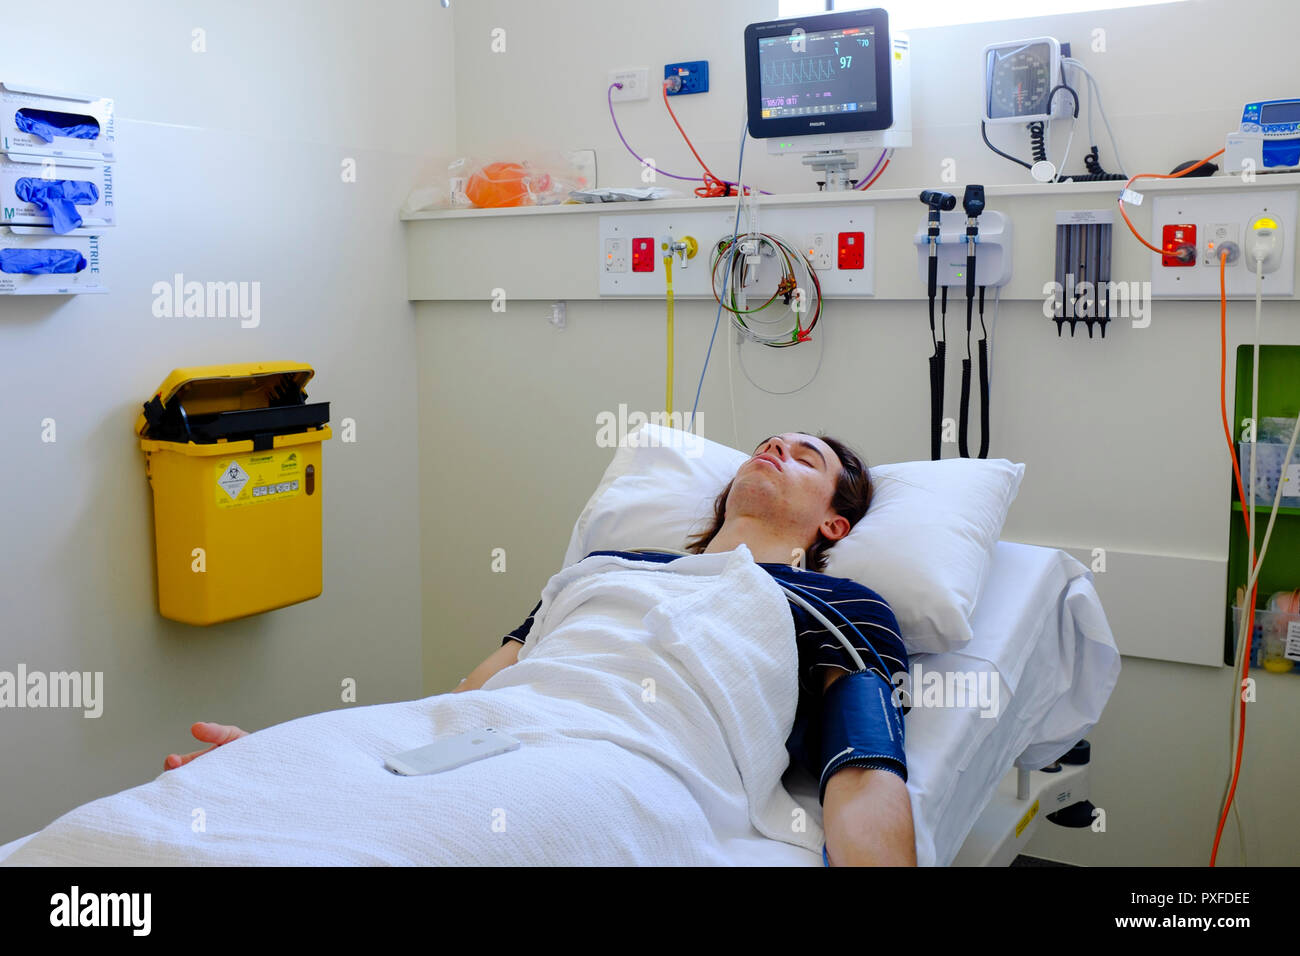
(451, 752)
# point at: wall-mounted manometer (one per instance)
(1018, 79)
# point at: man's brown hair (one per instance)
(852, 497)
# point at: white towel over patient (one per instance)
(691, 663)
(653, 702)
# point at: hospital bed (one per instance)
(976, 789)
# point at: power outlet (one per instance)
(1266, 241)
(1216, 234)
(636, 83)
(1178, 240)
(693, 74)
(616, 255)
(821, 249)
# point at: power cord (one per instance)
(717, 319)
(1254, 563)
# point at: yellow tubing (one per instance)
(668, 392)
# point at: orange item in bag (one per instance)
(504, 184)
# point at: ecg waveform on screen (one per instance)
(798, 70)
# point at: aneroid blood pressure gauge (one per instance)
(1018, 80)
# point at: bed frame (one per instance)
(1023, 799)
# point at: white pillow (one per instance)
(925, 543)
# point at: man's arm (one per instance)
(867, 815)
(503, 656)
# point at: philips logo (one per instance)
(818, 123)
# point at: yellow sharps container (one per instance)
(233, 454)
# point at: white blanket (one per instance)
(653, 706)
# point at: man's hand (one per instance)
(502, 657)
(215, 734)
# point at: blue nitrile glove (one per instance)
(47, 124)
(58, 199)
(39, 262)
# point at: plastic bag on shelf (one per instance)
(477, 182)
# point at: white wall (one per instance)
(230, 169)
(549, 86)
(508, 459)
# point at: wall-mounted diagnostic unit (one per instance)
(1268, 140)
(992, 251)
(821, 84)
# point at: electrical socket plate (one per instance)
(694, 74)
(1212, 210)
(636, 83)
(797, 226)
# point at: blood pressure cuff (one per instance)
(47, 124)
(861, 727)
(39, 262)
(58, 199)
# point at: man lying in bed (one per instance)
(797, 496)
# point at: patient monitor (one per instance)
(822, 84)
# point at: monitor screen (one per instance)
(825, 74)
(1284, 112)
(817, 73)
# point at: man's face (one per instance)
(788, 484)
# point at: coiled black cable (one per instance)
(1092, 162)
(1095, 174)
(1037, 144)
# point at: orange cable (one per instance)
(1184, 172)
(713, 186)
(1249, 611)
(877, 176)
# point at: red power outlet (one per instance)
(643, 255)
(852, 250)
(1175, 237)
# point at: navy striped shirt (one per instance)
(818, 648)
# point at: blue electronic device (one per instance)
(1268, 140)
(1279, 122)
